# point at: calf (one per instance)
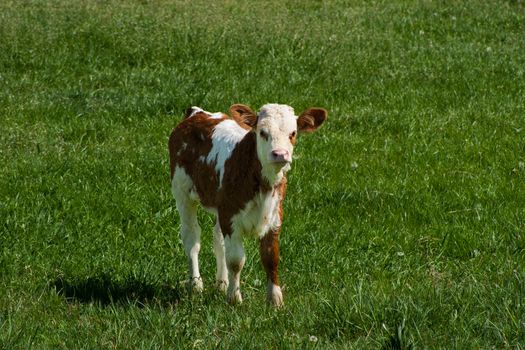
(236, 169)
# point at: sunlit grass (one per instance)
(405, 213)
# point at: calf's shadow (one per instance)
(105, 291)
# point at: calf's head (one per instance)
(277, 128)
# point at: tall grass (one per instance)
(405, 216)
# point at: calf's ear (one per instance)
(243, 115)
(311, 119)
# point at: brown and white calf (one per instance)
(236, 169)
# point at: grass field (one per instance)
(405, 216)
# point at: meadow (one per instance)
(405, 216)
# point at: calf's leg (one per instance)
(235, 259)
(221, 277)
(191, 238)
(269, 250)
(190, 230)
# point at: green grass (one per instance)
(405, 216)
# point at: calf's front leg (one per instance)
(235, 259)
(269, 249)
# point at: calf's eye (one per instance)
(263, 134)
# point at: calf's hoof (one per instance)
(222, 285)
(195, 285)
(234, 297)
(274, 296)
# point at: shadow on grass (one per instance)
(104, 290)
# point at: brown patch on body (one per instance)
(281, 188)
(242, 181)
(269, 250)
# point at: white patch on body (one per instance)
(259, 216)
(182, 185)
(217, 115)
(226, 135)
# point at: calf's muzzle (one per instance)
(281, 156)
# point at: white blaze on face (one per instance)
(275, 127)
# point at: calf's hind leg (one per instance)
(218, 247)
(190, 230)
